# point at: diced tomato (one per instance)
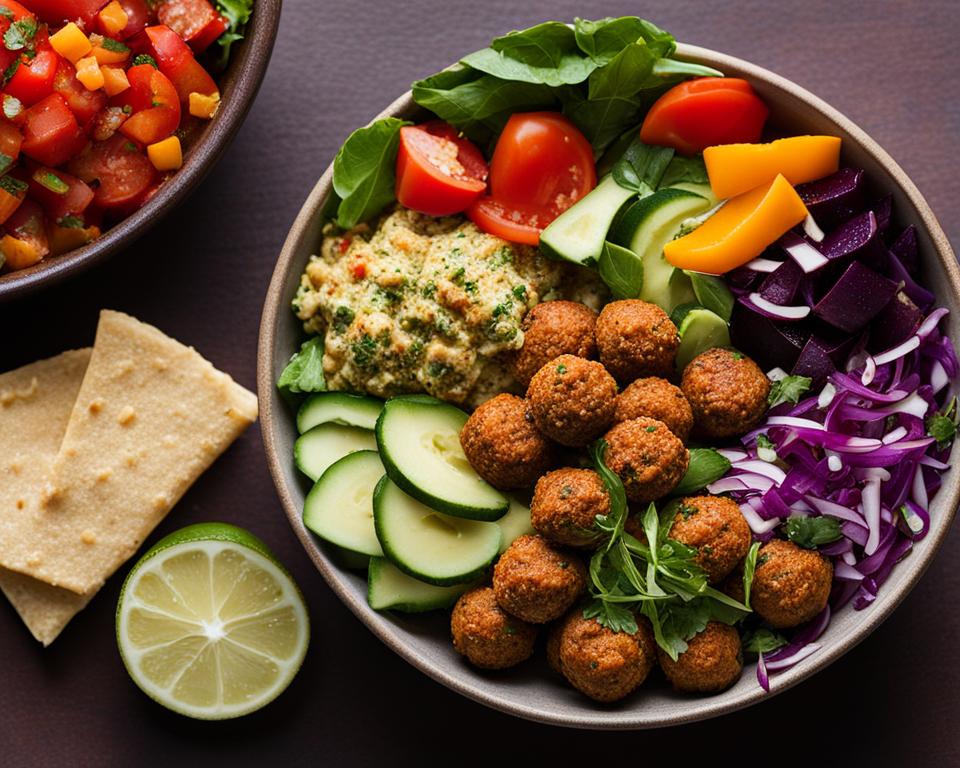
(107, 123)
(72, 202)
(154, 103)
(17, 10)
(51, 134)
(542, 165)
(122, 172)
(705, 112)
(138, 14)
(27, 223)
(57, 11)
(10, 139)
(209, 34)
(185, 17)
(85, 104)
(176, 61)
(33, 80)
(439, 172)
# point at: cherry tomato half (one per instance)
(705, 112)
(154, 102)
(438, 172)
(542, 165)
(84, 103)
(56, 11)
(176, 61)
(122, 172)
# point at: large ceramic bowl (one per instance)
(530, 691)
(204, 146)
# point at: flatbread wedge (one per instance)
(150, 417)
(35, 405)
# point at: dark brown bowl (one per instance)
(239, 85)
(531, 691)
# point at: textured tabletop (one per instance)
(201, 276)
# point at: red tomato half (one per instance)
(122, 172)
(438, 171)
(34, 80)
(10, 139)
(541, 166)
(56, 11)
(176, 61)
(154, 102)
(51, 135)
(84, 103)
(705, 112)
(57, 205)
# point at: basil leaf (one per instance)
(685, 169)
(706, 466)
(812, 532)
(304, 372)
(788, 390)
(622, 270)
(545, 54)
(712, 293)
(364, 171)
(642, 167)
(602, 40)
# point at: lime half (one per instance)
(209, 624)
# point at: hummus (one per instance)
(422, 304)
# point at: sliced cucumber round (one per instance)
(700, 330)
(318, 448)
(428, 545)
(339, 507)
(514, 524)
(390, 588)
(338, 408)
(419, 442)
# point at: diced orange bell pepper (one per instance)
(12, 192)
(113, 18)
(114, 80)
(71, 43)
(737, 168)
(740, 231)
(63, 239)
(166, 155)
(19, 254)
(88, 73)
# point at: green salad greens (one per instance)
(603, 75)
(237, 13)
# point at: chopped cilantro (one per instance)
(943, 426)
(520, 292)
(811, 532)
(70, 222)
(115, 46)
(788, 390)
(12, 106)
(145, 58)
(561, 369)
(20, 34)
(363, 351)
(342, 318)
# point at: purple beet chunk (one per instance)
(835, 198)
(906, 250)
(855, 300)
(781, 285)
(741, 279)
(917, 293)
(882, 211)
(896, 322)
(836, 343)
(815, 362)
(857, 238)
(769, 343)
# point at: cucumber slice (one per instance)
(698, 189)
(700, 330)
(578, 234)
(645, 227)
(429, 545)
(339, 507)
(514, 524)
(318, 448)
(338, 408)
(419, 442)
(390, 588)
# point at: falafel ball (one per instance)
(791, 585)
(551, 329)
(552, 647)
(503, 446)
(727, 392)
(572, 400)
(565, 505)
(636, 339)
(536, 582)
(712, 662)
(603, 664)
(488, 636)
(658, 399)
(717, 529)
(647, 456)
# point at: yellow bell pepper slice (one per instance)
(19, 254)
(63, 239)
(740, 231)
(737, 168)
(166, 155)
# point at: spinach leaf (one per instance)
(811, 532)
(642, 167)
(712, 293)
(706, 466)
(603, 39)
(304, 372)
(788, 390)
(546, 53)
(685, 169)
(363, 171)
(622, 270)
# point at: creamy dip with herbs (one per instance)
(422, 304)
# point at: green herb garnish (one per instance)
(789, 389)
(304, 372)
(811, 532)
(20, 34)
(706, 465)
(943, 426)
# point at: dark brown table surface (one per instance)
(201, 276)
